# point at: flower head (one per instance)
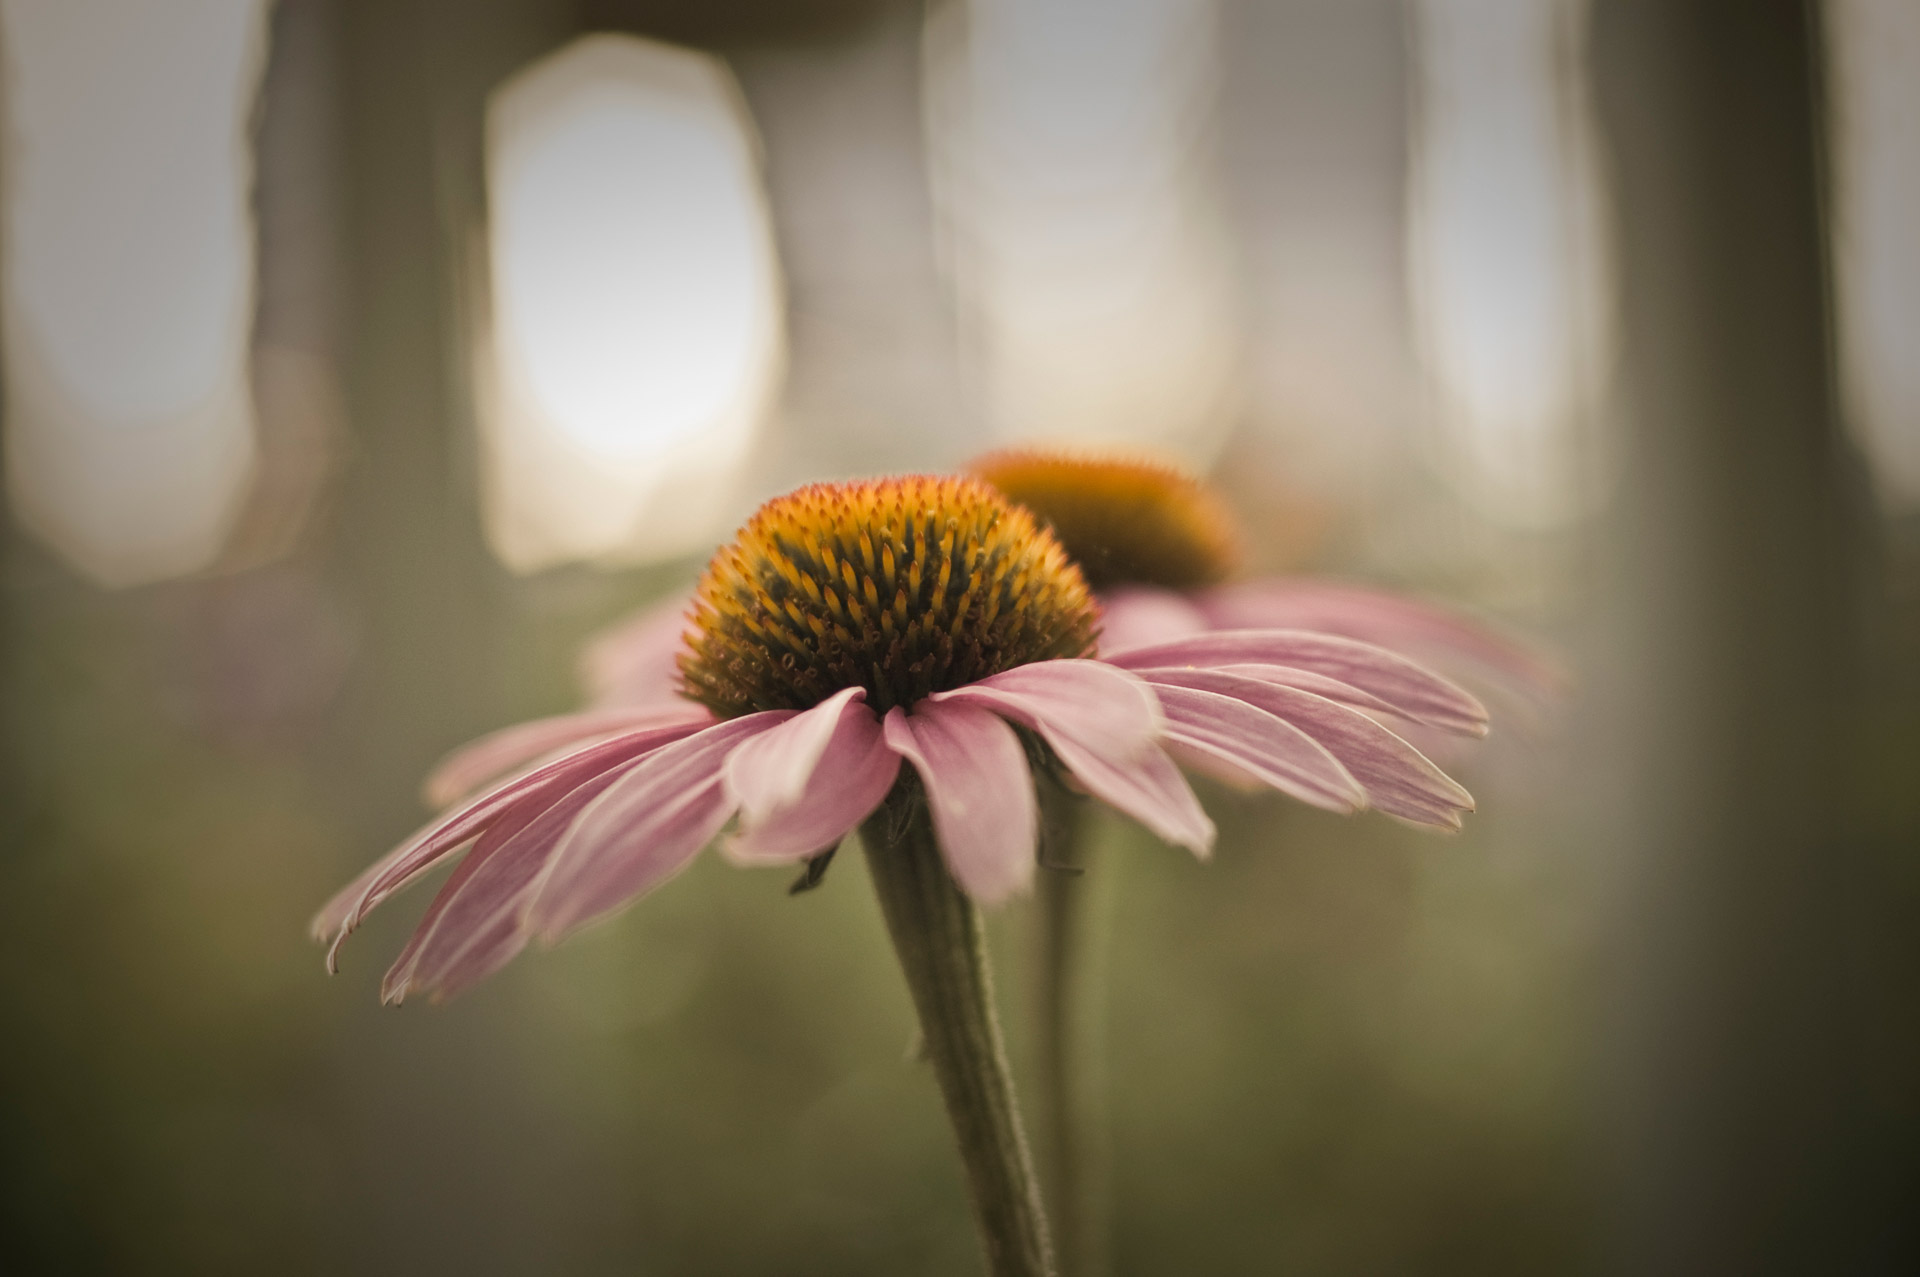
(1123, 519)
(849, 628)
(1156, 544)
(900, 587)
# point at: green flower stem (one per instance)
(1072, 943)
(937, 933)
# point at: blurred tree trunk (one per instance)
(442, 648)
(1738, 571)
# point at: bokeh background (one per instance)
(364, 357)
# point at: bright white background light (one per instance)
(1876, 94)
(129, 276)
(1072, 167)
(1506, 253)
(636, 321)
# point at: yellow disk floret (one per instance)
(1124, 520)
(901, 586)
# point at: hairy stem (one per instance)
(937, 935)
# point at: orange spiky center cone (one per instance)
(901, 586)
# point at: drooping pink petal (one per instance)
(642, 829)
(543, 785)
(1432, 634)
(497, 942)
(497, 753)
(1413, 690)
(489, 942)
(1398, 779)
(1110, 709)
(852, 776)
(1307, 681)
(1148, 788)
(1101, 722)
(772, 770)
(979, 792)
(1261, 745)
(675, 833)
(1137, 615)
(473, 924)
(498, 834)
(1198, 762)
(635, 661)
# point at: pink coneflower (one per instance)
(1159, 548)
(848, 628)
(1161, 551)
(1321, 685)
(852, 627)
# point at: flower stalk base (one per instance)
(1073, 927)
(937, 934)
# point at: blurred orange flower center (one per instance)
(1124, 520)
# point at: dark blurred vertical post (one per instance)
(441, 640)
(414, 79)
(1744, 1148)
(399, 543)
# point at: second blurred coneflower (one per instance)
(1162, 550)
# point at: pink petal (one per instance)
(339, 916)
(1435, 635)
(1256, 742)
(1108, 708)
(490, 948)
(1149, 788)
(1136, 616)
(499, 834)
(1217, 766)
(642, 829)
(653, 850)
(473, 926)
(979, 791)
(852, 776)
(1413, 690)
(1307, 681)
(1398, 779)
(636, 662)
(772, 770)
(495, 754)
(1102, 723)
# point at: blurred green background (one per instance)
(1653, 1012)
(1344, 1046)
